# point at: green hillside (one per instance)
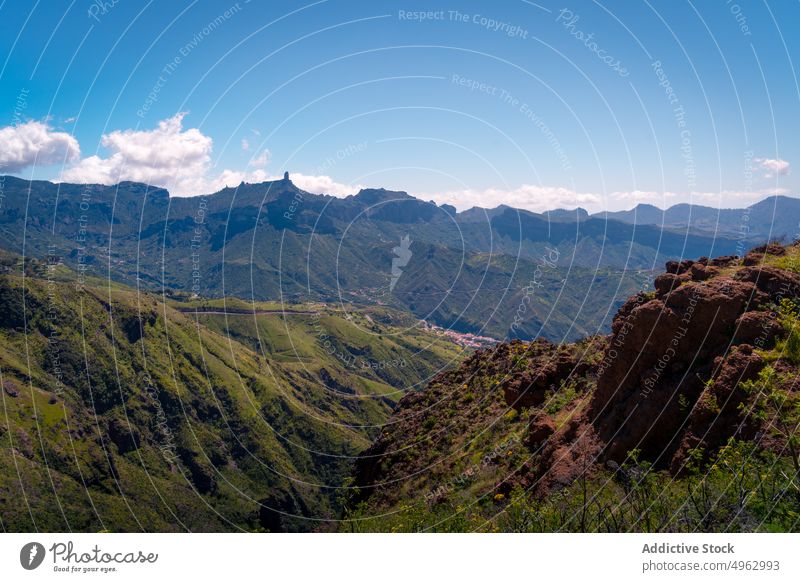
(125, 413)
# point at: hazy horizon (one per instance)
(425, 197)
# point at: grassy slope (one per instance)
(249, 430)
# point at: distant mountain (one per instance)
(566, 215)
(774, 218)
(503, 272)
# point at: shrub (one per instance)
(790, 320)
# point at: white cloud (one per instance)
(232, 178)
(34, 142)
(774, 191)
(773, 168)
(643, 197)
(323, 185)
(528, 197)
(720, 199)
(312, 184)
(166, 156)
(542, 198)
(179, 159)
(260, 160)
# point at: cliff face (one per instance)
(706, 361)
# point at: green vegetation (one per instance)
(123, 413)
(789, 261)
(776, 404)
(558, 399)
(789, 318)
(334, 250)
(743, 489)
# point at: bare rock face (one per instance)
(723, 261)
(757, 255)
(10, 388)
(777, 283)
(662, 362)
(679, 267)
(751, 259)
(672, 372)
(666, 282)
(715, 417)
(540, 429)
(772, 248)
(758, 328)
(701, 272)
(670, 377)
(622, 317)
(530, 388)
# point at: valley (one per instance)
(283, 361)
(123, 412)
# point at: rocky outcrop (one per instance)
(702, 272)
(716, 416)
(758, 328)
(665, 358)
(666, 283)
(10, 388)
(773, 248)
(723, 261)
(529, 388)
(668, 380)
(671, 377)
(777, 283)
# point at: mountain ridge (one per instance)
(272, 240)
(367, 192)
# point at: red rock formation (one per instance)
(529, 388)
(668, 379)
(716, 416)
(758, 328)
(723, 261)
(777, 283)
(637, 403)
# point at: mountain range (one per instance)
(774, 218)
(501, 272)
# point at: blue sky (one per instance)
(536, 105)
